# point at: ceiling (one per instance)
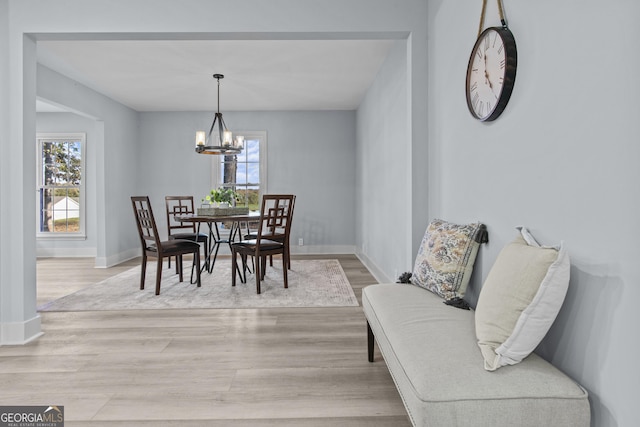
(176, 75)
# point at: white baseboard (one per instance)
(66, 252)
(322, 249)
(20, 333)
(110, 261)
(373, 268)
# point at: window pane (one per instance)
(248, 196)
(51, 175)
(66, 210)
(253, 173)
(46, 209)
(242, 156)
(253, 197)
(241, 190)
(252, 150)
(241, 173)
(74, 163)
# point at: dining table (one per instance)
(213, 223)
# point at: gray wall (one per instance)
(310, 154)
(561, 160)
(384, 186)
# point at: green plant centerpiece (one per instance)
(221, 195)
(225, 197)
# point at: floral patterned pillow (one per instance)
(445, 259)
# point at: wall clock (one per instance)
(491, 73)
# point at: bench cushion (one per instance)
(431, 351)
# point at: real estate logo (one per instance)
(31, 416)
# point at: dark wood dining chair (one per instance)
(183, 205)
(274, 220)
(278, 234)
(152, 246)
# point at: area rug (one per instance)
(312, 283)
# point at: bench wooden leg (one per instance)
(370, 340)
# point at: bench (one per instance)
(448, 364)
(432, 354)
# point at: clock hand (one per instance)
(486, 74)
(488, 83)
(488, 80)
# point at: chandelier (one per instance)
(221, 141)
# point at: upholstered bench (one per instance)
(465, 367)
(432, 354)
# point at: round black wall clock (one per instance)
(491, 73)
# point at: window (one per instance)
(245, 172)
(60, 182)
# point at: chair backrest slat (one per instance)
(275, 216)
(147, 229)
(179, 205)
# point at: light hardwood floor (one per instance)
(218, 367)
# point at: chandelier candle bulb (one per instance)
(200, 138)
(227, 137)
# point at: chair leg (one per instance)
(234, 267)
(159, 275)
(288, 252)
(264, 267)
(179, 266)
(196, 261)
(144, 271)
(243, 277)
(193, 267)
(258, 275)
(284, 270)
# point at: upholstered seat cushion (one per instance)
(264, 243)
(431, 351)
(175, 246)
(200, 237)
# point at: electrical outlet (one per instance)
(300, 242)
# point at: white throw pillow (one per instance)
(520, 300)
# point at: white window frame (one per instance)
(260, 136)
(49, 137)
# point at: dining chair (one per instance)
(278, 234)
(152, 246)
(275, 214)
(183, 205)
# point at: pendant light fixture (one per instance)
(221, 141)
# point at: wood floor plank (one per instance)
(303, 367)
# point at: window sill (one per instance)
(61, 236)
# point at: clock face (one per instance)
(491, 73)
